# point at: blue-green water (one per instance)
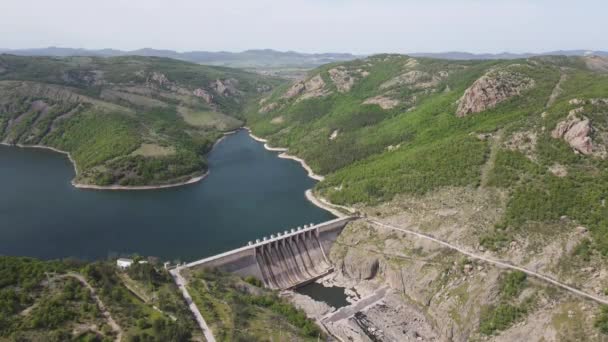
(249, 193)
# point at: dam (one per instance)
(284, 260)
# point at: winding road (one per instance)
(115, 327)
(496, 262)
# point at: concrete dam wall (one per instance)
(285, 260)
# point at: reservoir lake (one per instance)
(249, 193)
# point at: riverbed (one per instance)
(249, 193)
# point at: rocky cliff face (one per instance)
(584, 128)
(492, 89)
(437, 294)
(575, 131)
(313, 87)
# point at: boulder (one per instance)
(575, 131)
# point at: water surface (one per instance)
(249, 193)
(333, 296)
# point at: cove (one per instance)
(249, 193)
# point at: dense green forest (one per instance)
(125, 120)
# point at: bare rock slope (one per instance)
(491, 89)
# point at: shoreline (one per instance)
(224, 135)
(310, 196)
(77, 185)
(324, 204)
(285, 155)
(191, 180)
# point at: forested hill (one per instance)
(125, 120)
(535, 129)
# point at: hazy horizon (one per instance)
(313, 26)
(295, 51)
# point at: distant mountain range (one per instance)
(268, 58)
(247, 59)
(458, 55)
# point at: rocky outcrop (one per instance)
(82, 77)
(202, 93)
(158, 79)
(294, 90)
(313, 87)
(558, 170)
(357, 266)
(409, 78)
(524, 142)
(599, 102)
(278, 120)
(492, 89)
(227, 87)
(382, 101)
(342, 79)
(597, 63)
(268, 108)
(575, 131)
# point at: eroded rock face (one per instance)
(202, 93)
(294, 90)
(314, 87)
(409, 78)
(492, 89)
(575, 131)
(225, 87)
(342, 79)
(268, 108)
(382, 101)
(358, 266)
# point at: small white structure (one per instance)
(124, 263)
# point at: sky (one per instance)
(356, 26)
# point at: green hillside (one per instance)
(125, 120)
(68, 300)
(536, 129)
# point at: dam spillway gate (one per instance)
(293, 260)
(284, 260)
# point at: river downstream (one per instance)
(249, 193)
